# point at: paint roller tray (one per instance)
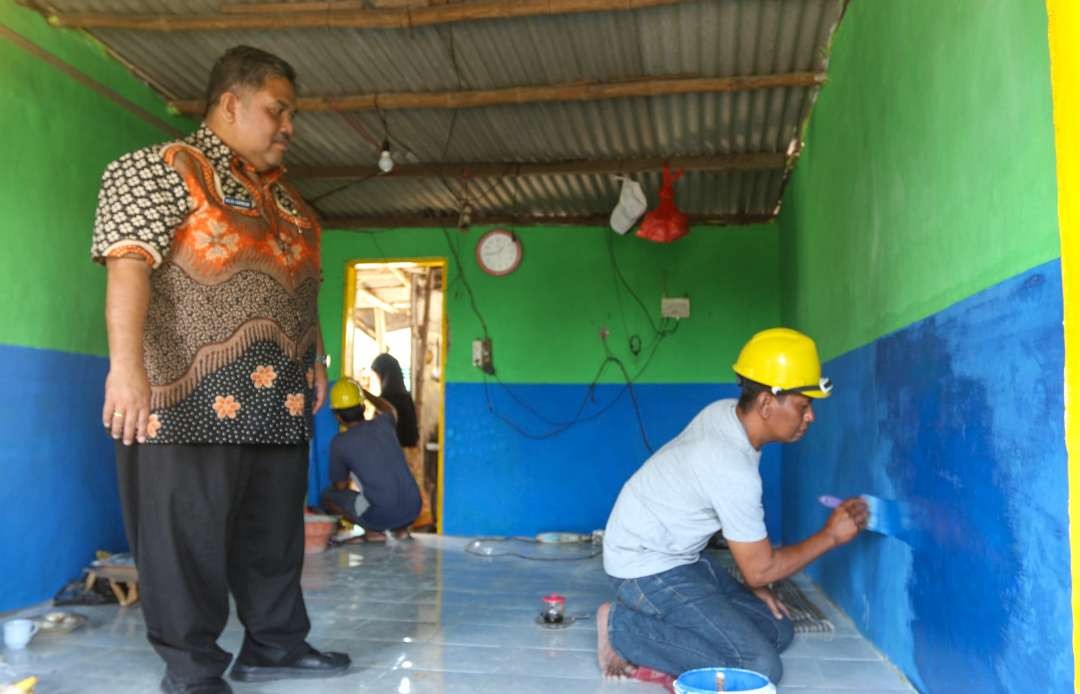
(58, 622)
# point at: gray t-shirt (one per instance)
(703, 480)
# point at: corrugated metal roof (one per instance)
(714, 38)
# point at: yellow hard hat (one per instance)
(784, 360)
(345, 394)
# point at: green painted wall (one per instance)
(59, 135)
(545, 318)
(929, 168)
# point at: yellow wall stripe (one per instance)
(1065, 78)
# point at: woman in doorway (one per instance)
(393, 390)
(392, 385)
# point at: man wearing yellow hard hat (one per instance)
(677, 609)
(368, 451)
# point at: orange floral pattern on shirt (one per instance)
(288, 252)
(218, 235)
(153, 426)
(264, 376)
(215, 242)
(226, 406)
(294, 403)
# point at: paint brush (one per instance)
(887, 517)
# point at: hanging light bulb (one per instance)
(386, 162)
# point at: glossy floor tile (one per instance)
(428, 617)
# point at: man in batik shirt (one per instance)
(216, 367)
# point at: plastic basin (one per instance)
(703, 681)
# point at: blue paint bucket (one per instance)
(703, 681)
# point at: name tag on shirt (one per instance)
(239, 202)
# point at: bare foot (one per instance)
(612, 666)
(374, 536)
(401, 534)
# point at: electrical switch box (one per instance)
(481, 355)
(675, 307)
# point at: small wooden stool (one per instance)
(123, 582)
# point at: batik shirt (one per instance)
(230, 335)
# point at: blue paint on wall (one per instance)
(58, 495)
(960, 417)
(499, 482)
(325, 428)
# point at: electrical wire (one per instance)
(558, 427)
(622, 280)
(374, 236)
(460, 199)
(465, 282)
(334, 191)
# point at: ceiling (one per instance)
(522, 111)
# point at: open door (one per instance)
(397, 307)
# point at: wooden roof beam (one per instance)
(566, 92)
(751, 161)
(451, 221)
(401, 277)
(332, 15)
(368, 295)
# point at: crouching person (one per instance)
(676, 609)
(388, 500)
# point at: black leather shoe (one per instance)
(210, 685)
(312, 665)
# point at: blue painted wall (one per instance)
(500, 482)
(959, 416)
(58, 497)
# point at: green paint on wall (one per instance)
(59, 137)
(929, 168)
(545, 318)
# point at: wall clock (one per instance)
(498, 252)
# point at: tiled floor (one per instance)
(425, 616)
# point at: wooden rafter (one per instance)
(368, 295)
(362, 325)
(401, 276)
(82, 78)
(751, 161)
(450, 221)
(572, 92)
(327, 15)
(332, 5)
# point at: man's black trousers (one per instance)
(206, 520)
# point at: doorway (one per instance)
(397, 307)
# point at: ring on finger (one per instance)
(118, 415)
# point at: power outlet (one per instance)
(675, 307)
(481, 355)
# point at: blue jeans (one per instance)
(695, 616)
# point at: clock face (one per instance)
(498, 252)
